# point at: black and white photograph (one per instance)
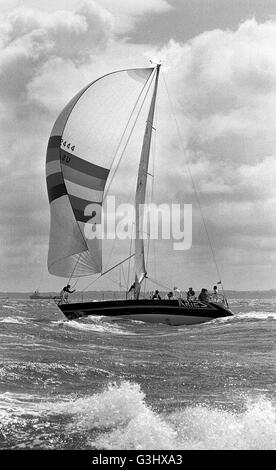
(138, 228)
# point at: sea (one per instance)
(98, 383)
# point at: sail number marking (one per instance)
(68, 145)
(65, 158)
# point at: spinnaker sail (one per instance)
(80, 153)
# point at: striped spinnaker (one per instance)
(80, 154)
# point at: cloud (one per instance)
(37, 50)
(46, 56)
(131, 11)
(224, 92)
(125, 14)
(223, 88)
(30, 39)
(222, 84)
(225, 81)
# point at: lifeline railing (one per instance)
(216, 298)
(219, 299)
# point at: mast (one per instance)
(140, 268)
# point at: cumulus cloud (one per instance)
(131, 11)
(222, 85)
(225, 90)
(30, 39)
(38, 50)
(46, 55)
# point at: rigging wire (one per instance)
(153, 152)
(120, 278)
(159, 284)
(131, 130)
(107, 271)
(194, 186)
(123, 271)
(130, 249)
(127, 142)
(115, 282)
(150, 80)
(69, 279)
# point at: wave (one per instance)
(52, 374)
(256, 315)
(260, 315)
(245, 316)
(19, 320)
(120, 418)
(94, 324)
(138, 426)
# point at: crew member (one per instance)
(204, 295)
(215, 293)
(169, 295)
(156, 295)
(64, 293)
(191, 294)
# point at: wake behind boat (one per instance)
(85, 148)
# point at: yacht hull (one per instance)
(171, 312)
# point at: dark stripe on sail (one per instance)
(53, 149)
(80, 217)
(53, 154)
(85, 167)
(55, 179)
(56, 191)
(75, 176)
(79, 205)
(54, 141)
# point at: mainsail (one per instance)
(140, 268)
(80, 154)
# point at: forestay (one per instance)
(140, 267)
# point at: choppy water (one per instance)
(122, 384)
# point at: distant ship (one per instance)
(37, 295)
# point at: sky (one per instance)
(219, 65)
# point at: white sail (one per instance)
(140, 268)
(80, 153)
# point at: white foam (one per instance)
(124, 420)
(18, 320)
(196, 427)
(102, 327)
(253, 315)
(127, 422)
(257, 315)
(137, 426)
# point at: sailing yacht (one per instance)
(88, 137)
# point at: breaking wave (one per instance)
(242, 316)
(120, 418)
(19, 320)
(137, 426)
(257, 315)
(95, 325)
